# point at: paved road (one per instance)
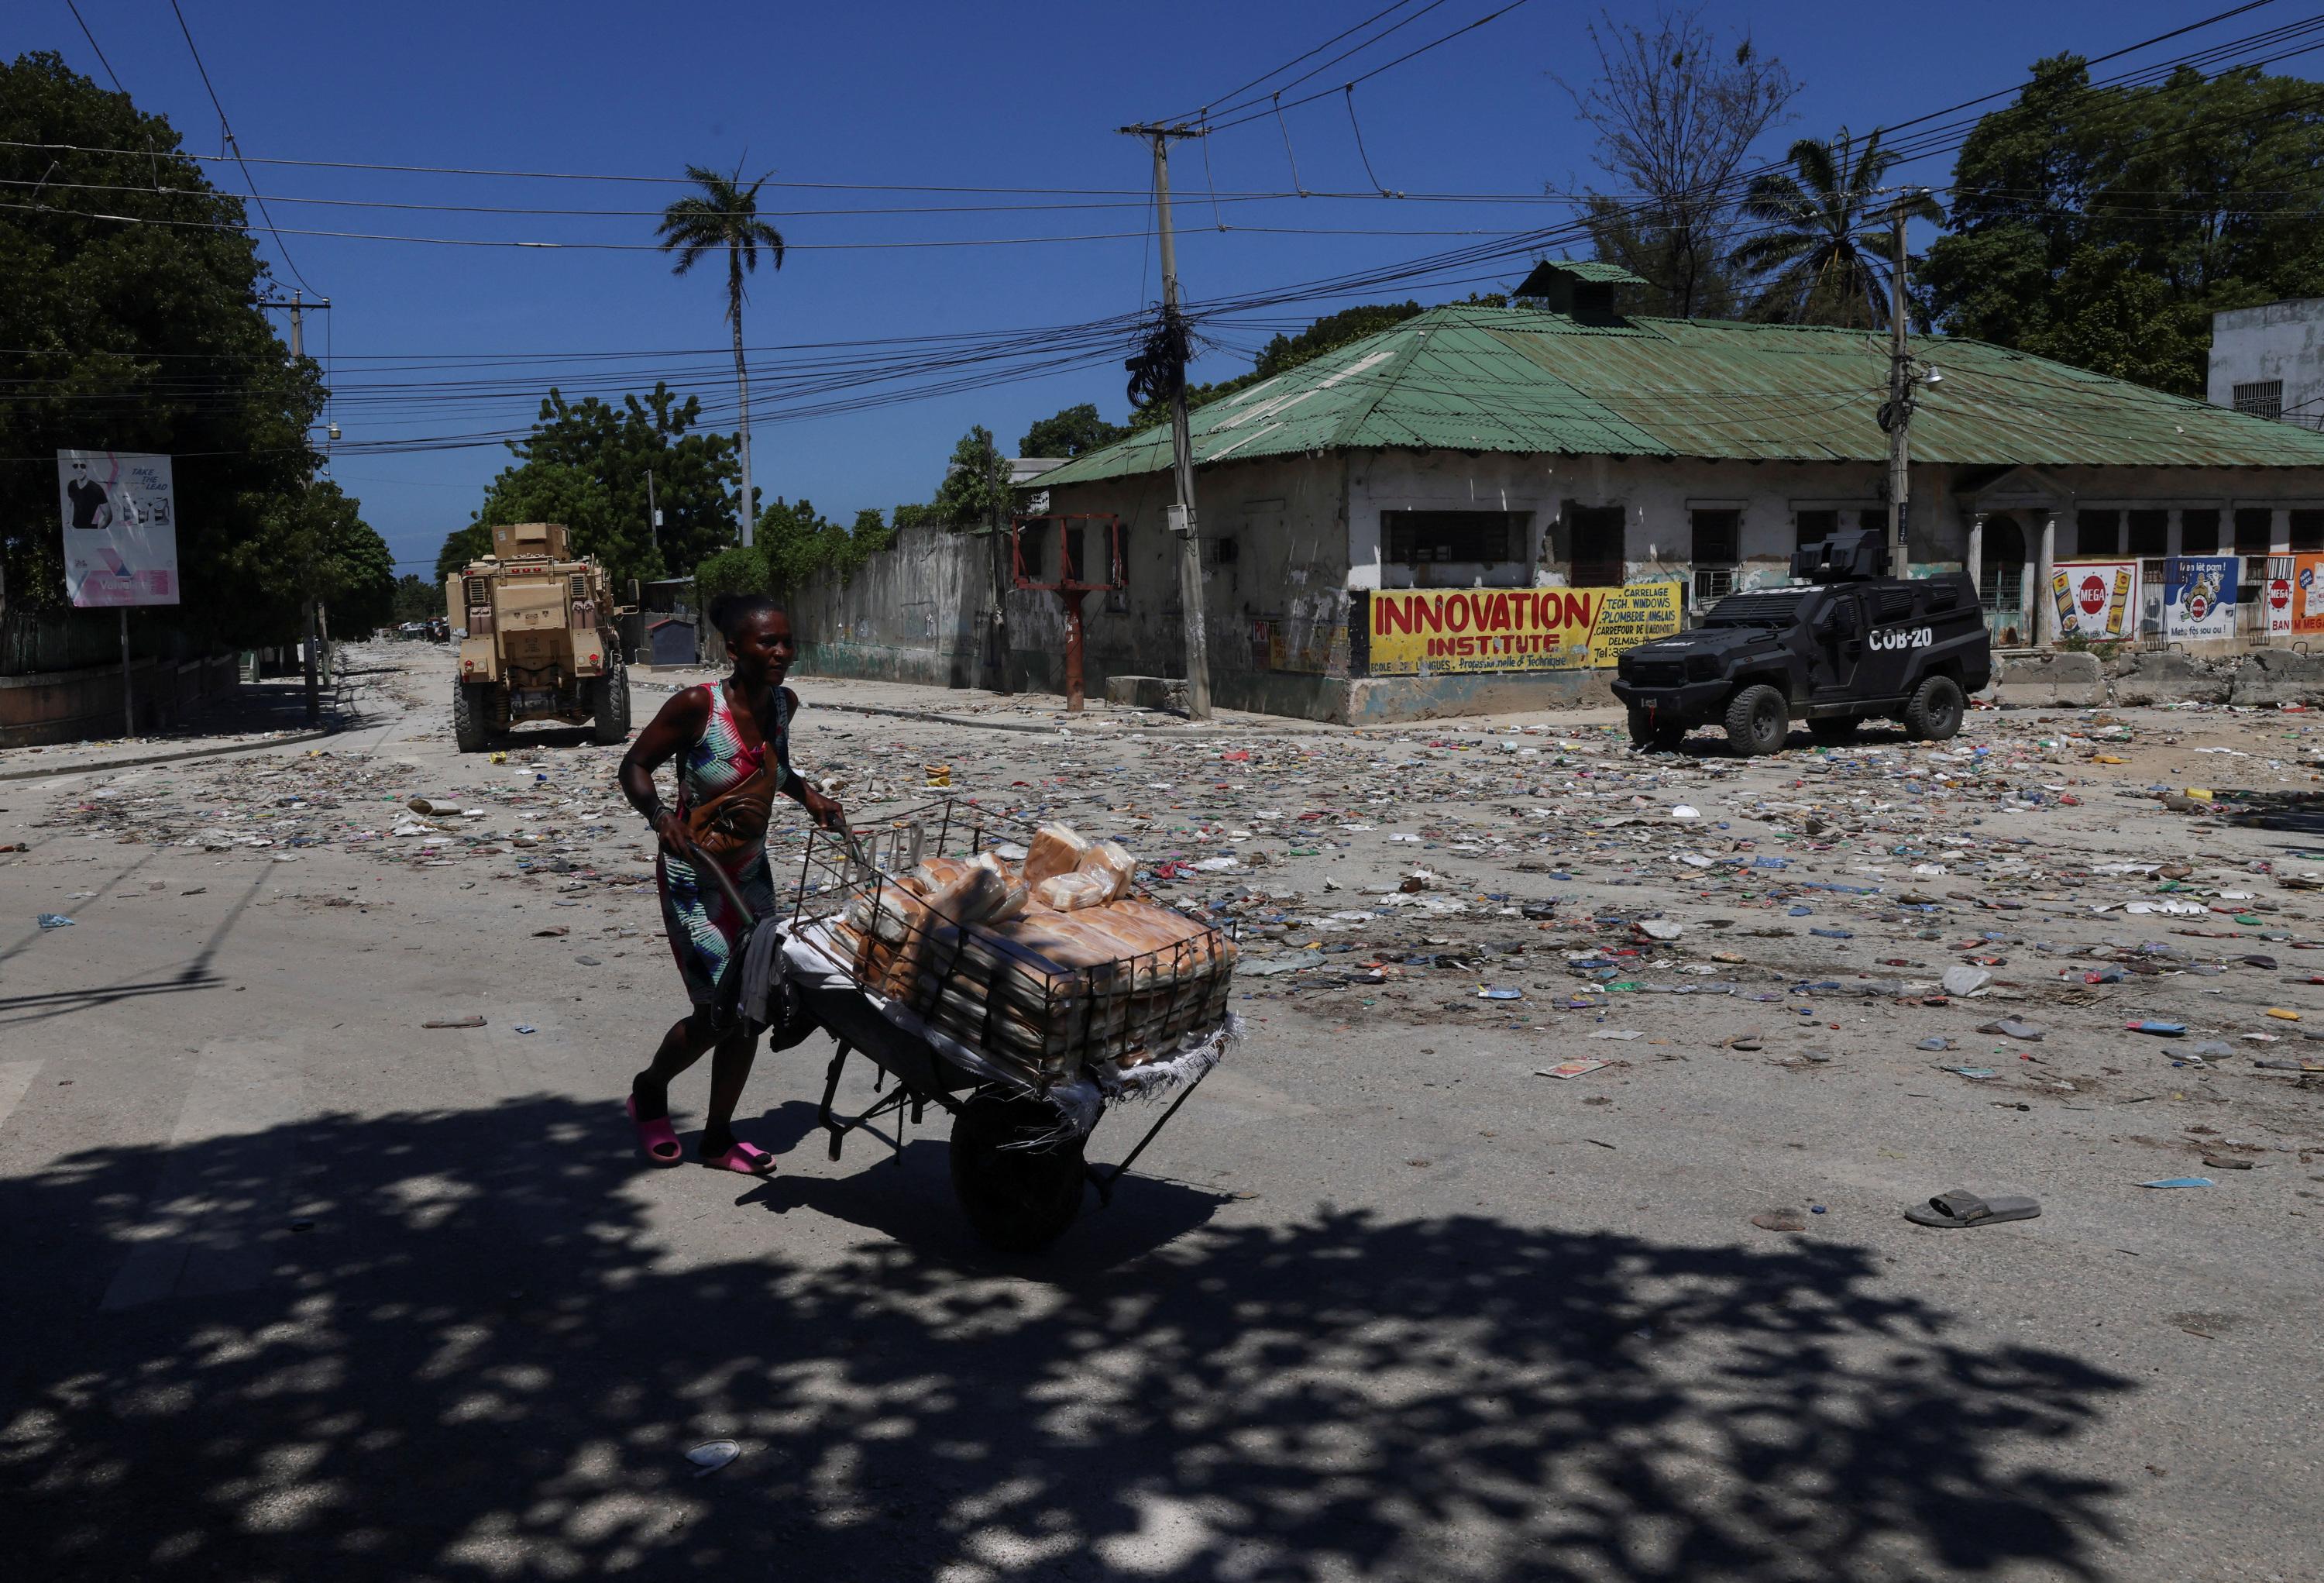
(299, 1288)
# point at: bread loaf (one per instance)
(1054, 849)
(1112, 861)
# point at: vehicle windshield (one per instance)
(1764, 607)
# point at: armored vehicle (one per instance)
(1845, 643)
(538, 640)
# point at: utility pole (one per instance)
(1900, 400)
(314, 691)
(1182, 450)
(653, 517)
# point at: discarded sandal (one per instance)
(747, 1158)
(656, 1137)
(1962, 1208)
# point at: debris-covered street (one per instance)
(1549, 1222)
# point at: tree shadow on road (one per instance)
(479, 1360)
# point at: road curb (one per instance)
(168, 758)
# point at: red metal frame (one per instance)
(1070, 585)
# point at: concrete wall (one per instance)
(2280, 340)
(84, 704)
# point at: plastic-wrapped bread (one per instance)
(1113, 860)
(1070, 893)
(1054, 849)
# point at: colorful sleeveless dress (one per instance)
(703, 926)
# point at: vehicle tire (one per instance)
(1934, 715)
(472, 717)
(1654, 735)
(609, 707)
(1020, 1200)
(1758, 720)
(1835, 730)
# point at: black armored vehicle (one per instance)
(1845, 643)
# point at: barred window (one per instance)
(2263, 398)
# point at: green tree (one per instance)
(2103, 225)
(975, 487)
(416, 598)
(312, 543)
(723, 216)
(142, 333)
(1069, 432)
(1823, 253)
(586, 464)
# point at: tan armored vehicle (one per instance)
(538, 640)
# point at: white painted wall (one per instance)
(2279, 340)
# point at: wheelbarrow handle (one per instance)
(703, 861)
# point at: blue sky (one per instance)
(1024, 95)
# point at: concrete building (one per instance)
(2269, 361)
(1368, 520)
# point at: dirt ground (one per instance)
(300, 1286)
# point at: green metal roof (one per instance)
(1594, 270)
(1528, 381)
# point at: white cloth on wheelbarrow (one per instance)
(820, 968)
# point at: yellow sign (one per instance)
(1416, 631)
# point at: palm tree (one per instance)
(724, 213)
(1824, 251)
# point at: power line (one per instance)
(231, 142)
(1287, 65)
(1367, 76)
(93, 44)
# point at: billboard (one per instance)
(1416, 631)
(120, 517)
(2199, 596)
(2308, 593)
(2097, 599)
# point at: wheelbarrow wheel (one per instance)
(1019, 1199)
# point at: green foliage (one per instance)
(462, 546)
(721, 215)
(1069, 432)
(732, 571)
(2103, 225)
(919, 514)
(975, 487)
(794, 542)
(1824, 253)
(1329, 334)
(417, 599)
(312, 543)
(586, 466)
(140, 337)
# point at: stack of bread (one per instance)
(1045, 965)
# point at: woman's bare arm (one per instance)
(676, 727)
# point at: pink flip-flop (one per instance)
(747, 1158)
(657, 1138)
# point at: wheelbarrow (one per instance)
(1018, 1161)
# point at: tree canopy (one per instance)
(1676, 112)
(2104, 226)
(720, 215)
(148, 337)
(1069, 432)
(1824, 253)
(585, 465)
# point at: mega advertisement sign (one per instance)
(1415, 631)
(2199, 596)
(2095, 599)
(120, 518)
